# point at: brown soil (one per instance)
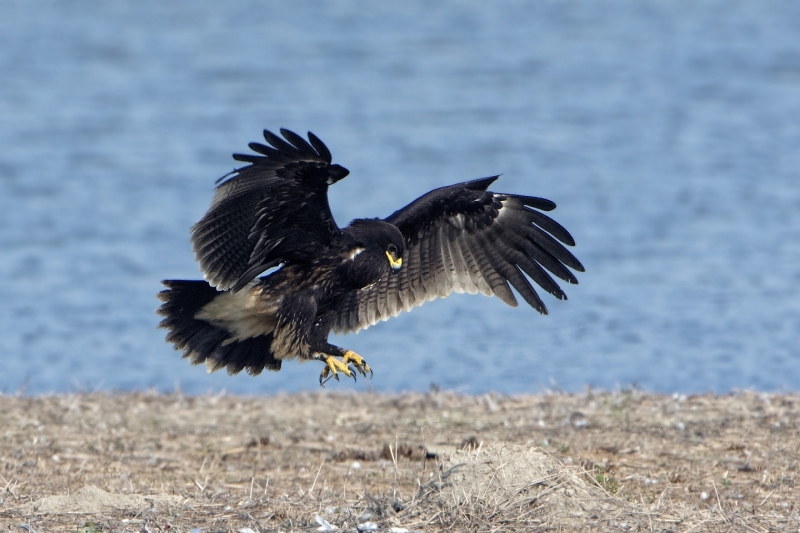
(624, 461)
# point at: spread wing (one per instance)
(464, 238)
(273, 210)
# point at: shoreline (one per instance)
(276, 463)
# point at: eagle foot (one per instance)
(332, 369)
(358, 362)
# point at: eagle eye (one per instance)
(392, 249)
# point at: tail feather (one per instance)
(203, 342)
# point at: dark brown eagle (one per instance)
(271, 218)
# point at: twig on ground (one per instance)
(311, 490)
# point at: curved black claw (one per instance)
(323, 379)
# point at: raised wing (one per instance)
(274, 210)
(464, 238)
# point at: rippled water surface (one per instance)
(667, 132)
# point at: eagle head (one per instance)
(378, 245)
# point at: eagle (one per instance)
(280, 274)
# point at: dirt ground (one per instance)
(596, 461)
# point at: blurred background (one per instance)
(666, 131)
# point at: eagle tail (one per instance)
(204, 342)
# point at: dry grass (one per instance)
(623, 461)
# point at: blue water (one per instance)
(668, 132)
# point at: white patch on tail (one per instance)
(245, 313)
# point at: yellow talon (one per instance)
(334, 366)
(358, 361)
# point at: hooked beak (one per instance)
(394, 263)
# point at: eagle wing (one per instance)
(464, 238)
(273, 210)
